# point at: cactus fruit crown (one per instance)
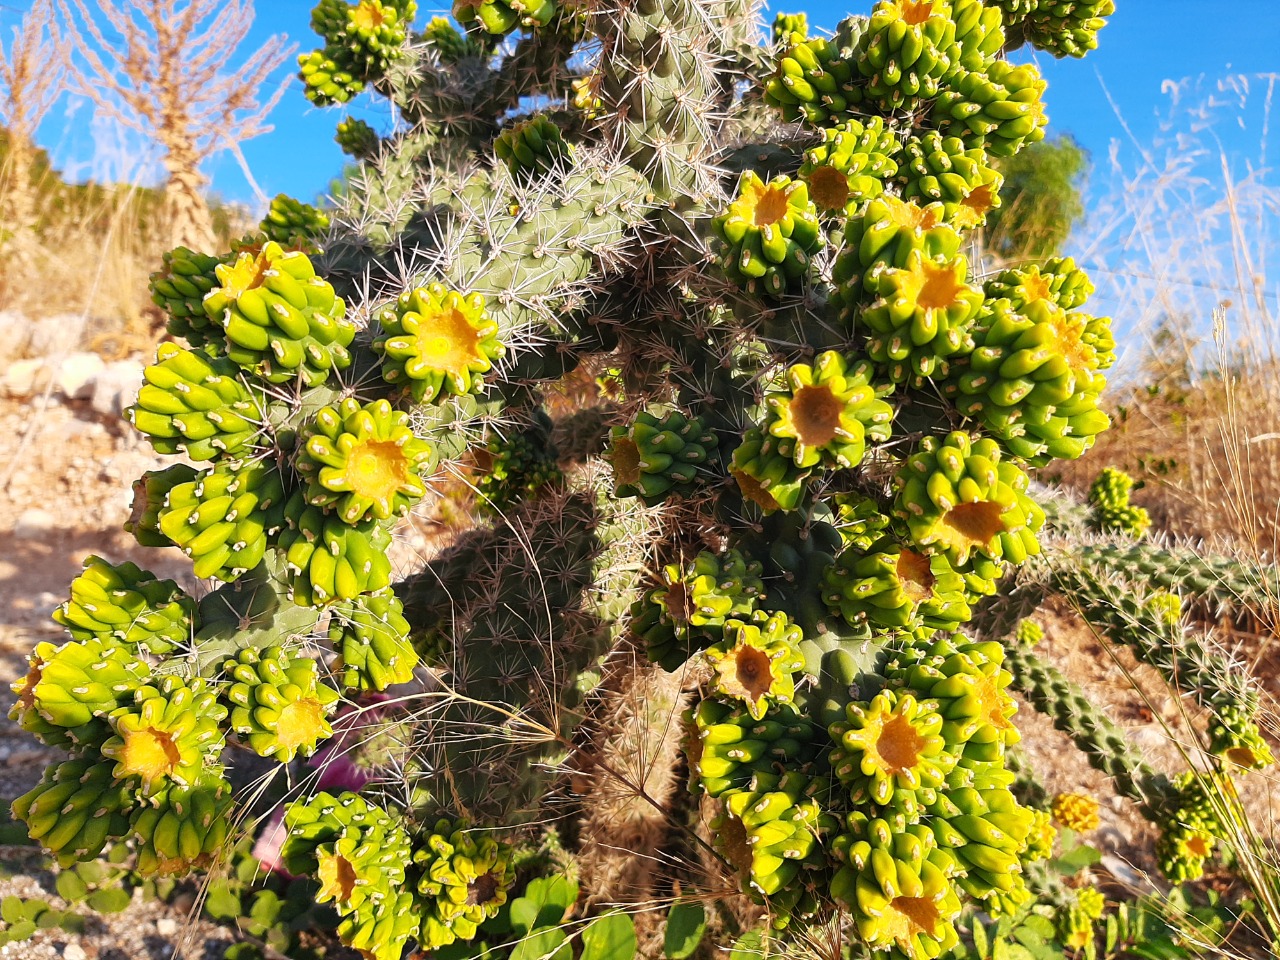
(765, 495)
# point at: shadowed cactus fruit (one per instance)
(1076, 811)
(755, 662)
(437, 341)
(195, 405)
(766, 471)
(464, 878)
(362, 461)
(169, 736)
(1111, 509)
(291, 221)
(278, 706)
(937, 169)
(688, 609)
(1191, 826)
(124, 603)
(659, 455)
(769, 233)
(76, 809)
(889, 585)
(518, 466)
(281, 320)
(850, 166)
(329, 560)
(223, 518)
(361, 41)
(371, 636)
(789, 28)
(450, 45)
(69, 691)
(1064, 28)
(184, 828)
(357, 139)
(533, 147)
(179, 288)
(500, 17)
(828, 412)
(150, 491)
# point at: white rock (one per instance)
(116, 387)
(54, 336)
(166, 926)
(73, 951)
(77, 373)
(15, 337)
(34, 524)
(25, 378)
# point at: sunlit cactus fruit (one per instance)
(357, 139)
(325, 80)
(937, 169)
(850, 166)
(465, 876)
(290, 221)
(500, 17)
(829, 411)
(375, 32)
(815, 81)
(1057, 279)
(756, 662)
(279, 708)
(1076, 811)
(730, 747)
(533, 147)
(362, 461)
(688, 608)
(371, 636)
(179, 288)
(171, 735)
(450, 45)
(890, 585)
(196, 405)
(923, 317)
(891, 745)
(1234, 736)
(436, 341)
(76, 809)
(1111, 509)
(281, 320)
(998, 110)
(789, 28)
(121, 602)
(183, 828)
(328, 559)
(1033, 380)
(223, 517)
(1190, 824)
(886, 234)
(659, 455)
(1042, 836)
(765, 470)
(960, 498)
(906, 51)
(769, 233)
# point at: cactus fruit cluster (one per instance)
(813, 502)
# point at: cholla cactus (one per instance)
(820, 433)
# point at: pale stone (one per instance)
(34, 524)
(77, 373)
(24, 379)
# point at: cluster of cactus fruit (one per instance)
(810, 515)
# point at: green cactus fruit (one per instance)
(281, 320)
(1028, 633)
(959, 498)
(465, 878)
(890, 749)
(125, 603)
(889, 585)
(586, 96)
(76, 809)
(1033, 380)
(828, 411)
(290, 221)
(937, 169)
(223, 518)
(766, 473)
(850, 166)
(184, 828)
(906, 52)
(149, 494)
(170, 735)
(436, 341)
(968, 683)
(450, 45)
(500, 17)
(756, 662)
(770, 833)
(688, 609)
(196, 405)
(986, 830)
(1190, 824)
(179, 288)
(789, 28)
(68, 689)
(329, 560)
(998, 109)
(980, 34)
(374, 36)
(1041, 837)
(923, 317)
(728, 747)
(815, 81)
(533, 148)
(659, 455)
(357, 139)
(371, 636)
(1234, 736)
(1064, 28)
(1058, 280)
(518, 467)
(768, 234)
(1111, 510)
(327, 81)
(329, 19)
(362, 460)
(883, 235)
(279, 709)
(897, 886)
